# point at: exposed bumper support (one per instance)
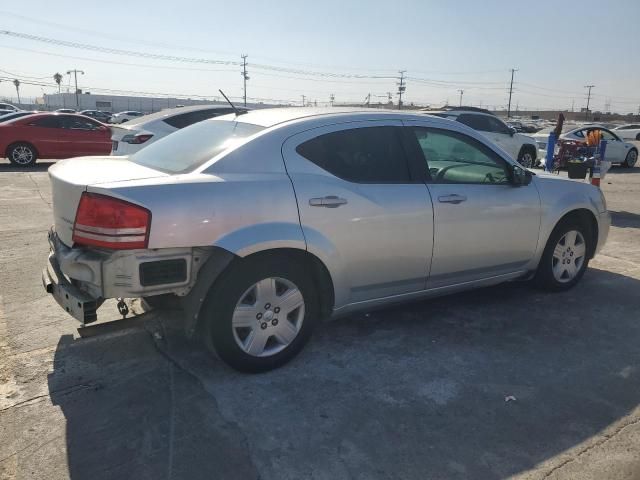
(77, 303)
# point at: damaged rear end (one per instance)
(99, 241)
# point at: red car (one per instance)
(53, 135)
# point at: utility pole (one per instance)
(303, 100)
(586, 114)
(367, 100)
(245, 77)
(75, 77)
(401, 88)
(332, 98)
(461, 92)
(572, 104)
(513, 71)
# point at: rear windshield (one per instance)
(187, 149)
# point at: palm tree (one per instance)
(58, 79)
(16, 82)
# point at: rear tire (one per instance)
(260, 314)
(527, 157)
(631, 159)
(565, 257)
(22, 154)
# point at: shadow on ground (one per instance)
(413, 392)
(40, 166)
(625, 219)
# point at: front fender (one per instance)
(560, 197)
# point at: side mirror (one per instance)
(520, 176)
(512, 131)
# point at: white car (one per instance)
(123, 117)
(8, 106)
(628, 132)
(142, 131)
(618, 152)
(520, 147)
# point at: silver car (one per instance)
(265, 223)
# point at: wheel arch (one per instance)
(19, 142)
(587, 218)
(223, 261)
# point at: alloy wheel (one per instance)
(22, 155)
(568, 256)
(268, 317)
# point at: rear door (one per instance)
(484, 226)
(617, 149)
(44, 133)
(361, 209)
(83, 136)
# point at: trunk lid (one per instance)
(69, 178)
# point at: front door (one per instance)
(484, 226)
(83, 136)
(362, 211)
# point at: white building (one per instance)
(118, 103)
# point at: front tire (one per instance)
(22, 154)
(631, 159)
(565, 257)
(527, 157)
(261, 313)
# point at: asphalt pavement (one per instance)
(503, 382)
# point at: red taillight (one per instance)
(136, 139)
(108, 222)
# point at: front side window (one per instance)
(79, 123)
(453, 157)
(360, 155)
(498, 126)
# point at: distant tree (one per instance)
(58, 79)
(16, 82)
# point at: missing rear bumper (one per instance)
(77, 303)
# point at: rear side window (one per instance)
(477, 122)
(47, 122)
(185, 119)
(360, 155)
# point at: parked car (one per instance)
(99, 115)
(66, 110)
(265, 223)
(618, 152)
(143, 131)
(123, 117)
(520, 147)
(8, 106)
(52, 135)
(628, 132)
(10, 116)
(6, 112)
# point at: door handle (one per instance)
(330, 201)
(454, 198)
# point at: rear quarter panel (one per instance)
(244, 203)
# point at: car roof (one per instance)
(269, 117)
(170, 112)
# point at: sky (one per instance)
(346, 48)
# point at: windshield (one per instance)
(187, 149)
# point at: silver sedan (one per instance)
(266, 222)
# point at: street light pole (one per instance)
(75, 77)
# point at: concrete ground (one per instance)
(504, 382)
